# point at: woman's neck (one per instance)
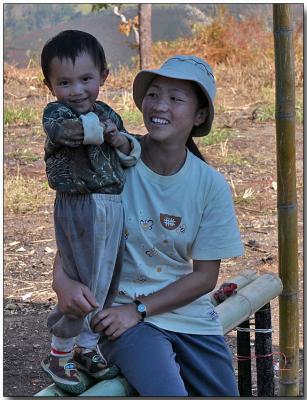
(162, 159)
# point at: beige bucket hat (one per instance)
(189, 68)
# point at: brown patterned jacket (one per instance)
(86, 168)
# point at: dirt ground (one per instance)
(29, 245)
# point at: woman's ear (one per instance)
(103, 76)
(201, 116)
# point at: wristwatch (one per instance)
(141, 309)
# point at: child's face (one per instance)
(76, 85)
(170, 109)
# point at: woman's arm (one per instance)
(74, 298)
(115, 321)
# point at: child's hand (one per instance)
(71, 133)
(115, 138)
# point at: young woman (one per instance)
(162, 330)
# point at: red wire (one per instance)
(244, 358)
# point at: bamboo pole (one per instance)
(116, 387)
(243, 279)
(286, 198)
(239, 307)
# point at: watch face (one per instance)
(141, 308)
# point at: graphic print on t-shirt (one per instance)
(169, 222)
(146, 224)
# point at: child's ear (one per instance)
(49, 86)
(201, 116)
(103, 76)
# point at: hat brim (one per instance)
(143, 80)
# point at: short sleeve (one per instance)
(218, 236)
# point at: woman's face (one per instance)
(170, 109)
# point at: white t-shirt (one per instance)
(169, 221)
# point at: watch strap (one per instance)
(142, 313)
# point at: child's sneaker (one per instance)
(93, 364)
(64, 374)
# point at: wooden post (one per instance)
(263, 351)
(244, 360)
(145, 35)
(286, 199)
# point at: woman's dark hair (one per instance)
(191, 145)
(70, 44)
(202, 103)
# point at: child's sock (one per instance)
(61, 354)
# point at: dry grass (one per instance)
(24, 195)
(241, 52)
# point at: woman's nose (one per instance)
(161, 105)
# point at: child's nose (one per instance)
(76, 89)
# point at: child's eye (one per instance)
(152, 94)
(87, 78)
(63, 83)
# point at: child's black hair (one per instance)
(70, 44)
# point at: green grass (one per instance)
(299, 111)
(236, 159)
(218, 135)
(21, 115)
(132, 117)
(267, 112)
(23, 155)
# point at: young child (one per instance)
(88, 179)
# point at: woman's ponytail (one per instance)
(190, 144)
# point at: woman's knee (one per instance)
(145, 357)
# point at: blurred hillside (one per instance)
(28, 26)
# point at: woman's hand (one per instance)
(114, 321)
(74, 298)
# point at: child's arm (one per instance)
(126, 146)
(62, 126)
(116, 139)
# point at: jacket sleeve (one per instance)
(104, 112)
(54, 116)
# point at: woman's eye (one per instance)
(176, 99)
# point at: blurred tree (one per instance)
(145, 35)
(140, 25)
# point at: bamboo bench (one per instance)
(253, 293)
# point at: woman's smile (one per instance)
(159, 121)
